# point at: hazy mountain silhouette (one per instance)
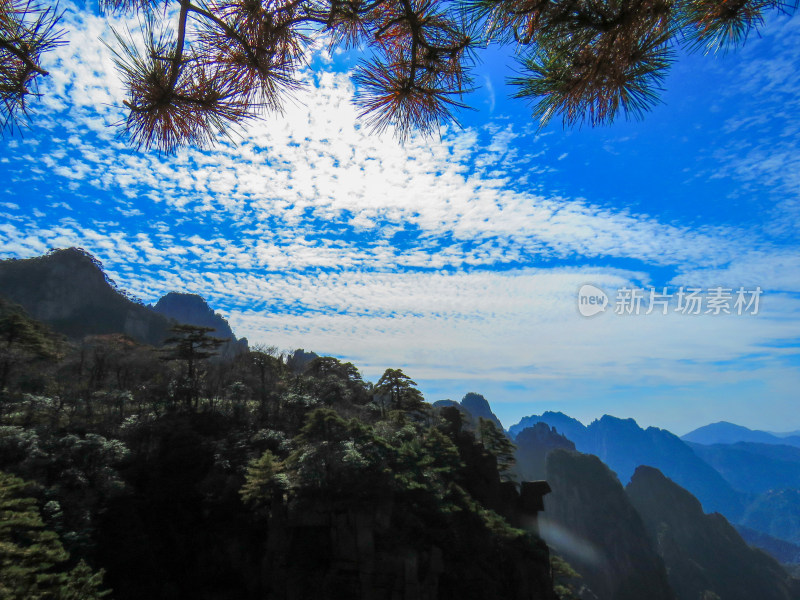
(728, 433)
(193, 310)
(567, 426)
(599, 534)
(784, 552)
(754, 468)
(777, 513)
(533, 446)
(479, 408)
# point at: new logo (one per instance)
(591, 300)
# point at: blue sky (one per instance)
(457, 258)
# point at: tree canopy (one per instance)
(399, 389)
(22, 339)
(212, 64)
(30, 554)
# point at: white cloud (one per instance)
(309, 231)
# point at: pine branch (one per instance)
(27, 32)
(223, 62)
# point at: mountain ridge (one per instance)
(724, 432)
(590, 521)
(751, 467)
(69, 290)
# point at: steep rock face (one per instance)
(533, 446)
(479, 408)
(704, 554)
(68, 290)
(623, 446)
(589, 520)
(192, 309)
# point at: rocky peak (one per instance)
(565, 425)
(192, 309)
(590, 521)
(479, 408)
(533, 446)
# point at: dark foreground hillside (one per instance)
(168, 473)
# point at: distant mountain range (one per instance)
(624, 543)
(69, 291)
(776, 513)
(728, 433)
(753, 468)
(650, 539)
(785, 552)
(623, 446)
(755, 485)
